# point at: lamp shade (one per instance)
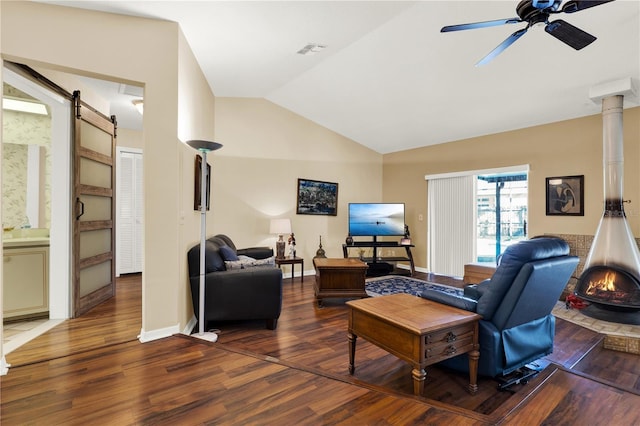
(280, 226)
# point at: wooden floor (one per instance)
(93, 370)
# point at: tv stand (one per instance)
(375, 262)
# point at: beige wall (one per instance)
(111, 47)
(572, 147)
(130, 138)
(266, 149)
(196, 104)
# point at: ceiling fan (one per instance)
(535, 12)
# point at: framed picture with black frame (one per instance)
(197, 184)
(565, 195)
(317, 197)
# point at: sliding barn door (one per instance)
(94, 211)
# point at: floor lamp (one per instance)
(204, 147)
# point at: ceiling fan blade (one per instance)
(483, 24)
(502, 46)
(568, 34)
(578, 5)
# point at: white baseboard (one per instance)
(423, 270)
(4, 367)
(188, 329)
(408, 268)
(148, 336)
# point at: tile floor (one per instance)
(17, 334)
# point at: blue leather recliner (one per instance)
(517, 326)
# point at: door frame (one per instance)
(60, 229)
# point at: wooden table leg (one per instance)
(474, 355)
(352, 351)
(419, 375)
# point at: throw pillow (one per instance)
(228, 254)
(248, 262)
(265, 262)
(233, 264)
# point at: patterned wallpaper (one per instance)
(22, 129)
(14, 182)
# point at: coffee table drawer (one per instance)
(448, 343)
(450, 335)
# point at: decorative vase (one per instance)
(320, 252)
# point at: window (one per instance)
(501, 203)
(473, 216)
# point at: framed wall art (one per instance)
(317, 197)
(565, 196)
(198, 183)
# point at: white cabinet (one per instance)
(26, 281)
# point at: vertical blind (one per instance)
(451, 224)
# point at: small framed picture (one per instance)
(317, 197)
(565, 196)
(198, 184)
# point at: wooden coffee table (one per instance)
(339, 278)
(419, 331)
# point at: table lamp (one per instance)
(280, 227)
(204, 147)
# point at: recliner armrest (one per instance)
(475, 291)
(471, 291)
(256, 252)
(450, 299)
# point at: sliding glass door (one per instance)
(501, 203)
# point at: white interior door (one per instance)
(129, 211)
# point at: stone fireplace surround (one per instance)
(619, 337)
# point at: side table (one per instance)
(292, 261)
(475, 273)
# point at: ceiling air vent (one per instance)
(311, 49)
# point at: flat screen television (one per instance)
(376, 219)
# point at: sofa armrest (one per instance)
(450, 299)
(256, 252)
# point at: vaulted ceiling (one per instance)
(388, 78)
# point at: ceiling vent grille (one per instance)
(311, 49)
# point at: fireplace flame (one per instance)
(606, 283)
